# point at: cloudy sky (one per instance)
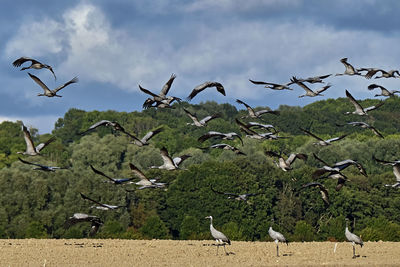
(112, 46)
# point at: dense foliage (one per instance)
(36, 204)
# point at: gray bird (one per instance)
(203, 122)
(31, 150)
(161, 98)
(384, 91)
(285, 165)
(144, 181)
(41, 167)
(321, 141)
(205, 85)
(116, 181)
(309, 92)
(364, 126)
(224, 147)
(359, 109)
(273, 86)
(316, 79)
(277, 237)
(354, 239)
(350, 70)
(224, 136)
(101, 206)
(322, 190)
(218, 236)
(48, 92)
(170, 163)
(255, 114)
(384, 74)
(396, 170)
(82, 217)
(34, 64)
(239, 197)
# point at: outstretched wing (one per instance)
(151, 134)
(40, 146)
(205, 85)
(18, 62)
(74, 80)
(101, 173)
(168, 161)
(223, 193)
(311, 134)
(40, 83)
(147, 91)
(167, 86)
(137, 172)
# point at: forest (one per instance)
(36, 204)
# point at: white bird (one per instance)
(218, 236)
(396, 170)
(359, 109)
(224, 147)
(34, 64)
(364, 126)
(255, 114)
(144, 181)
(116, 181)
(203, 122)
(170, 163)
(273, 86)
(353, 239)
(82, 217)
(350, 70)
(285, 165)
(41, 167)
(205, 85)
(321, 141)
(384, 91)
(224, 136)
(48, 92)
(309, 92)
(31, 150)
(101, 206)
(277, 237)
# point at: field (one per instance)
(108, 252)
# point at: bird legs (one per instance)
(223, 244)
(277, 248)
(354, 251)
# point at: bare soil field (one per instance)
(119, 253)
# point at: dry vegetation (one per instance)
(106, 252)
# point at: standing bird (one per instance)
(364, 126)
(285, 165)
(203, 122)
(101, 206)
(116, 181)
(34, 64)
(321, 141)
(273, 86)
(359, 109)
(218, 236)
(47, 91)
(396, 170)
(309, 92)
(170, 163)
(31, 150)
(82, 217)
(350, 70)
(224, 147)
(41, 167)
(205, 85)
(255, 114)
(322, 190)
(224, 136)
(277, 237)
(239, 197)
(355, 240)
(384, 91)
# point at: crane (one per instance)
(396, 170)
(205, 85)
(82, 217)
(224, 147)
(101, 206)
(277, 237)
(34, 64)
(255, 114)
(41, 167)
(116, 181)
(218, 236)
(273, 86)
(48, 92)
(285, 165)
(170, 163)
(384, 91)
(31, 150)
(354, 239)
(359, 109)
(203, 122)
(321, 141)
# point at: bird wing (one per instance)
(223, 193)
(209, 118)
(311, 134)
(371, 72)
(168, 161)
(245, 128)
(205, 85)
(138, 172)
(396, 171)
(295, 156)
(272, 154)
(31, 163)
(97, 124)
(18, 62)
(357, 106)
(373, 86)
(249, 109)
(74, 80)
(319, 159)
(147, 91)
(151, 134)
(323, 88)
(302, 85)
(383, 162)
(260, 82)
(260, 112)
(40, 146)
(94, 201)
(167, 86)
(376, 132)
(336, 138)
(180, 159)
(101, 173)
(40, 83)
(208, 135)
(374, 107)
(322, 189)
(30, 147)
(191, 115)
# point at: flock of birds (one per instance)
(251, 130)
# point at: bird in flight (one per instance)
(359, 109)
(41, 167)
(48, 92)
(34, 64)
(205, 85)
(31, 150)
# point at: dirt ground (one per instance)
(108, 252)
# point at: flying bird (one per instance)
(48, 92)
(338, 167)
(384, 91)
(354, 239)
(240, 197)
(224, 147)
(359, 109)
(224, 136)
(396, 170)
(350, 70)
(322, 190)
(144, 181)
(113, 124)
(321, 141)
(316, 79)
(41, 167)
(255, 114)
(285, 165)
(309, 92)
(34, 64)
(165, 103)
(205, 85)
(364, 126)
(101, 206)
(116, 181)
(203, 122)
(161, 99)
(144, 141)
(170, 163)
(31, 150)
(218, 236)
(273, 86)
(82, 217)
(384, 74)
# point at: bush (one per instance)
(154, 227)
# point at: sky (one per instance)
(113, 46)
